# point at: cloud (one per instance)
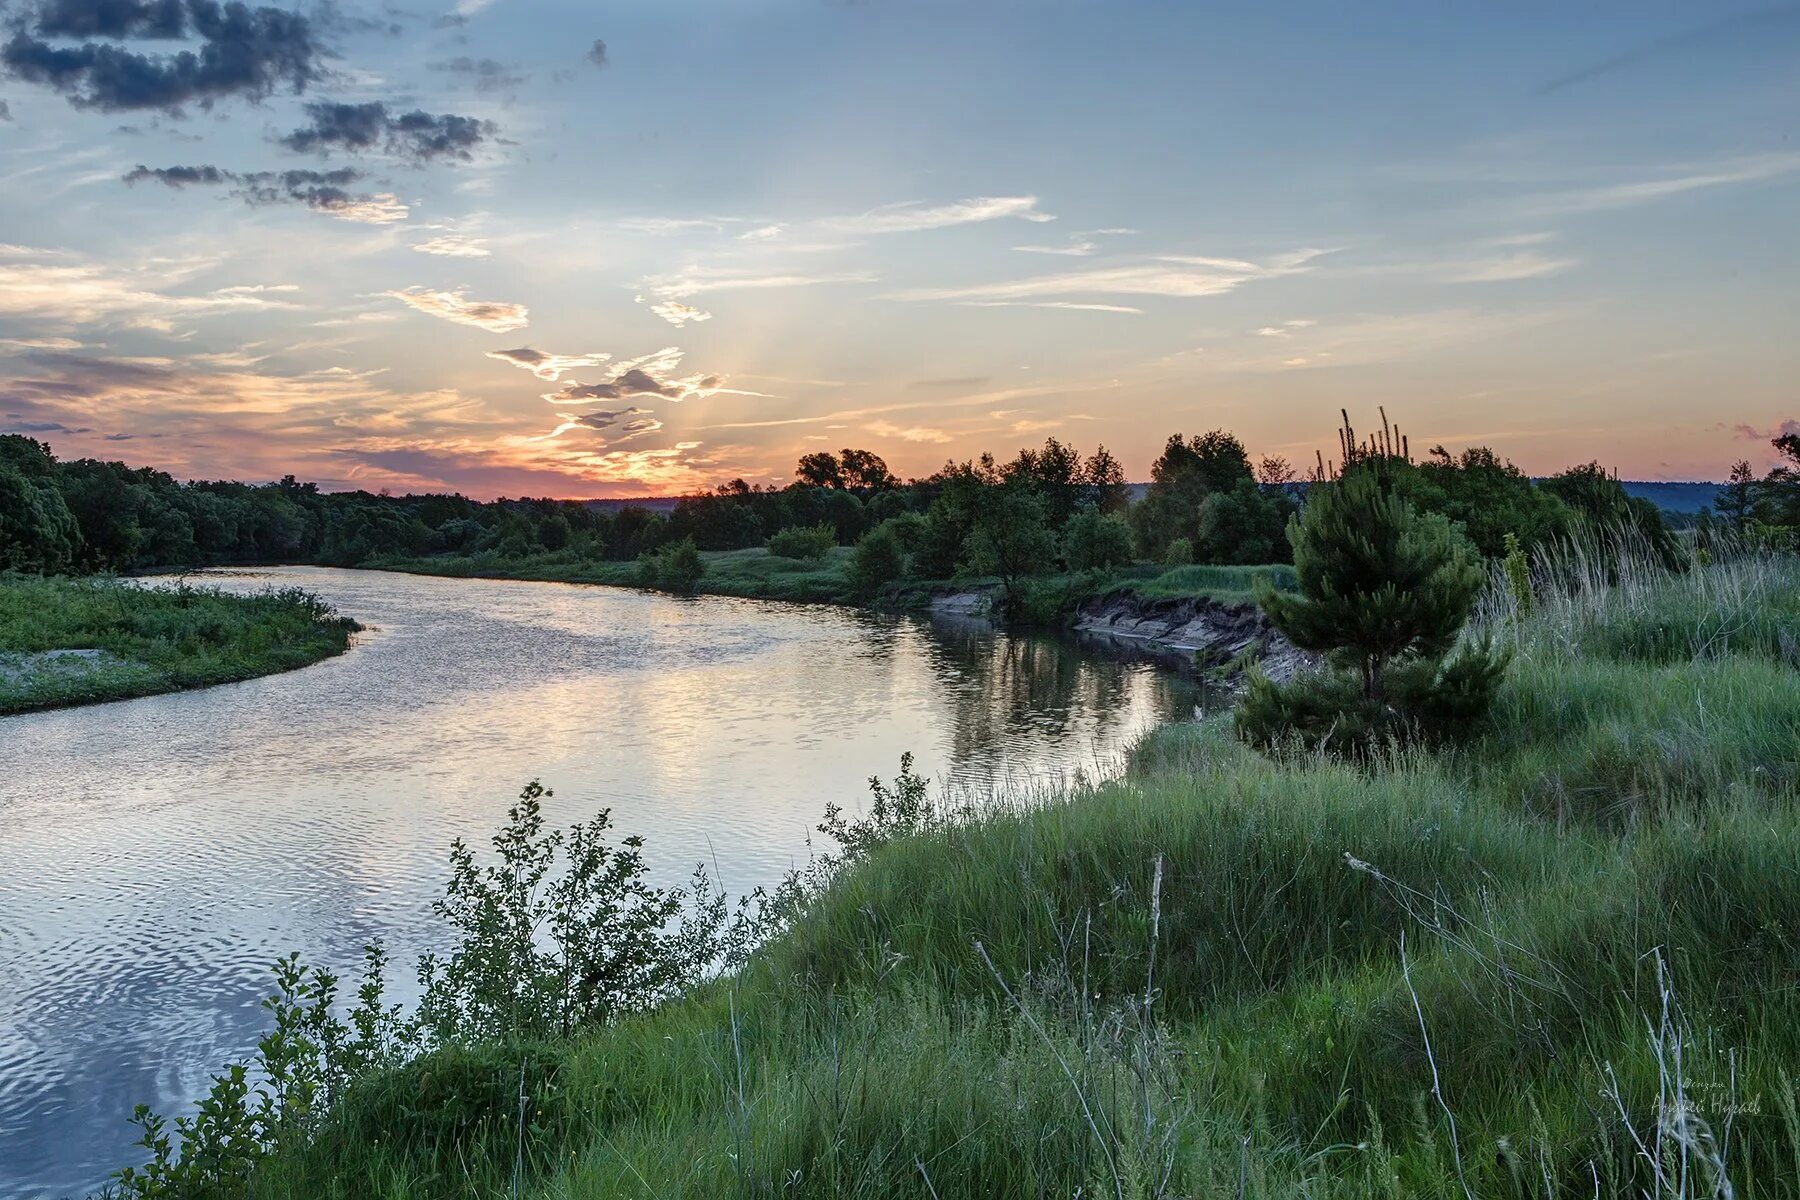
(322, 191)
(417, 136)
(55, 288)
(1079, 245)
(495, 316)
(912, 216)
(1788, 428)
(486, 75)
(597, 53)
(1073, 249)
(1110, 308)
(694, 281)
(662, 226)
(243, 51)
(651, 375)
(914, 433)
(1286, 328)
(453, 245)
(546, 366)
(623, 424)
(762, 233)
(1181, 276)
(1368, 340)
(678, 314)
(1764, 23)
(1505, 268)
(1750, 169)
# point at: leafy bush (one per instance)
(805, 542)
(1384, 591)
(1093, 540)
(674, 568)
(877, 561)
(1179, 554)
(562, 931)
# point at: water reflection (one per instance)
(156, 855)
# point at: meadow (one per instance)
(1558, 960)
(138, 641)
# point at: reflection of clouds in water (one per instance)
(161, 852)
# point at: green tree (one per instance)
(1737, 499)
(38, 533)
(1608, 513)
(1243, 525)
(1094, 540)
(1384, 591)
(1187, 472)
(1010, 538)
(819, 469)
(864, 471)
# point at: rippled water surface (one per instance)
(157, 854)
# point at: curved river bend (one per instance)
(156, 855)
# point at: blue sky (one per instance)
(752, 229)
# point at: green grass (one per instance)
(150, 639)
(759, 575)
(753, 573)
(1228, 585)
(1562, 961)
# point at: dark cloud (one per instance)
(35, 427)
(117, 19)
(417, 135)
(324, 191)
(607, 418)
(5, 112)
(597, 53)
(485, 75)
(177, 177)
(243, 51)
(634, 382)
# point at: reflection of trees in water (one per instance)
(1008, 690)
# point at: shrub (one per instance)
(877, 561)
(674, 568)
(1179, 554)
(1093, 540)
(1384, 591)
(804, 541)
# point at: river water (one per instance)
(156, 855)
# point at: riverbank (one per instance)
(1195, 617)
(1555, 961)
(67, 641)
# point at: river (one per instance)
(156, 855)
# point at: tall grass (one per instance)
(149, 639)
(1561, 961)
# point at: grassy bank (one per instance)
(759, 575)
(1564, 960)
(79, 641)
(752, 574)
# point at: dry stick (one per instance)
(1437, 1088)
(929, 1186)
(519, 1159)
(1080, 1096)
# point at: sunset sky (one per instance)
(553, 247)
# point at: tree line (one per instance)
(1046, 510)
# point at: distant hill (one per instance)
(1675, 497)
